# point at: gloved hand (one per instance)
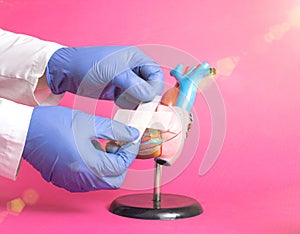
(60, 146)
(123, 74)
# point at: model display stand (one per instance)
(156, 205)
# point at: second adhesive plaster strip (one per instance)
(140, 118)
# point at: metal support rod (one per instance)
(157, 183)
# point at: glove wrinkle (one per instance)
(91, 72)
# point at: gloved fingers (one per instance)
(115, 182)
(109, 92)
(120, 96)
(113, 130)
(126, 101)
(116, 164)
(153, 74)
(142, 88)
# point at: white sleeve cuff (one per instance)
(23, 60)
(15, 120)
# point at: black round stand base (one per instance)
(142, 206)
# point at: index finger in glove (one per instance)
(142, 88)
(113, 130)
(118, 163)
(112, 168)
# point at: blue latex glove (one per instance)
(60, 146)
(123, 74)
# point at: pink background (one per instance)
(254, 187)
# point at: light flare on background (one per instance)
(226, 66)
(30, 196)
(294, 18)
(3, 215)
(277, 31)
(17, 205)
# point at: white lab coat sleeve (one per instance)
(23, 60)
(15, 120)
